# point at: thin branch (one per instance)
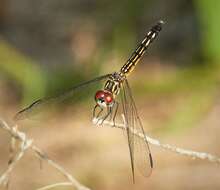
(55, 185)
(24, 146)
(59, 168)
(28, 143)
(155, 142)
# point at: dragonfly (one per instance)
(107, 104)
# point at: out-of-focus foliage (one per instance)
(21, 70)
(196, 88)
(208, 13)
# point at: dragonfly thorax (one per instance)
(104, 98)
(113, 84)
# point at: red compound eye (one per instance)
(108, 98)
(102, 96)
(99, 94)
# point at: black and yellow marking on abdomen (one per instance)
(141, 49)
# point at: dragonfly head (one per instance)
(104, 98)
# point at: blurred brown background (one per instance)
(49, 46)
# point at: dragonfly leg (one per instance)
(94, 110)
(102, 117)
(109, 111)
(98, 114)
(115, 112)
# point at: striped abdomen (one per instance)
(138, 53)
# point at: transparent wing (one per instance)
(129, 126)
(140, 154)
(40, 104)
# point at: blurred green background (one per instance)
(49, 46)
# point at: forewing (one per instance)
(141, 157)
(128, 120)
(47, 103)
